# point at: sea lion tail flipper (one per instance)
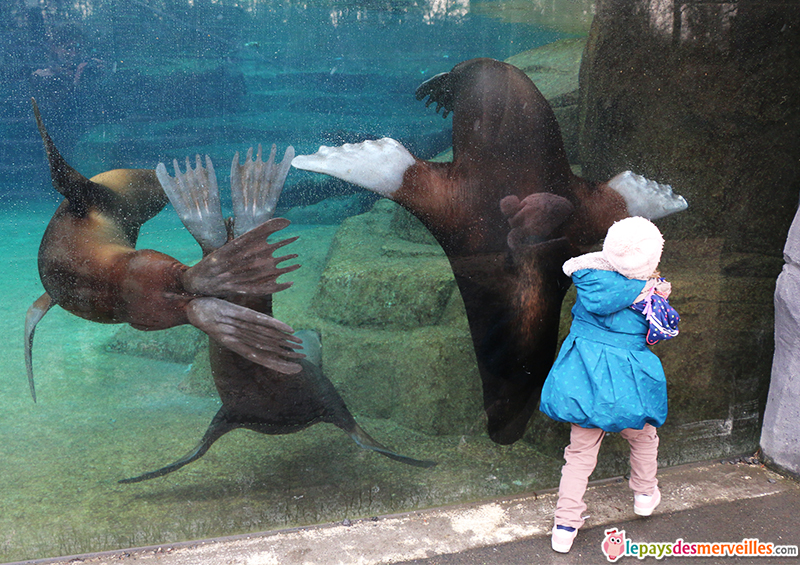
(256, 187)
(253, 335)
(79, 191)
(35, 313)
(218, 427)
(377, 165)
(195, 197)
(439, 89)
(245, 266)
(363, 439)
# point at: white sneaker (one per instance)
(562, 539)
(644, 504)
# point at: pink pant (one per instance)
(581, 457)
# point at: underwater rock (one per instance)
(177, 345)
(553, 68)
(573, 17)
(332, 210)
(425, 379)
(711, 105)
(198, 380)
(375, 279)
(397, 342)
(405, 225)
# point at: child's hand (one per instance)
(655, 285)
(663, 288)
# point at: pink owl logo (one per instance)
(614, 544)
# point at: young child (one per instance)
(605, 379)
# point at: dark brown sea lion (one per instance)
(89, 266)
(254, 396)
(508, 211)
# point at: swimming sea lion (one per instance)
(508, 212)
(254, 396)
(89, 266)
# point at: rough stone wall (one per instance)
(709, 105)
(705, 96)
(780, 435)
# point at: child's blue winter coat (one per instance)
(605, 376)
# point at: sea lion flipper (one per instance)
(245, 266)
(195, 197)
(363, 439)
(35, 313)
(218, 427)
(439, 89)
(253, 335)
(80, 192)
(377, 165)
(256, 187)
(645, 197)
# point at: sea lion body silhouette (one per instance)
(254, 396)
(89, 266)
(508, 211)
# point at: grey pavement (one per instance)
(773, 517)
(711, 502)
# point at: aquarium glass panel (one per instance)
(427, 323)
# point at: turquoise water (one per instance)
(129, 84)
(163, 80)
(103, 416)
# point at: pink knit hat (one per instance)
(633, 247)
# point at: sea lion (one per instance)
(89, 266)
(508, 211)
(254, 396)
